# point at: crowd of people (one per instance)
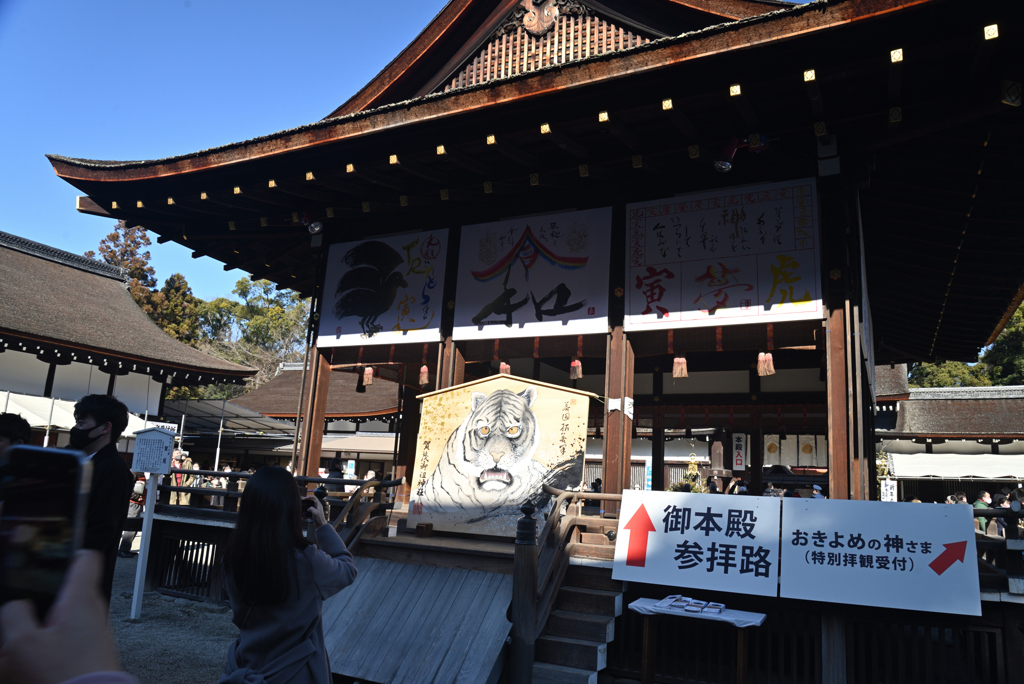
(275, 577)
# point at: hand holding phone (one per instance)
(312, 510)
(43, 495)
(74, 639)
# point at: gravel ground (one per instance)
(176, 641)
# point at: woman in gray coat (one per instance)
(277, 582)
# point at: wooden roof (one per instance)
(73, 308)
(928, 140)
(279, 397)
(464, 27)
(962, 412)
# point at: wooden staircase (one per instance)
(574, 644)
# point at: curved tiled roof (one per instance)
(49, 295)
(280, 396)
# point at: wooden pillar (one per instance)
(755, 477)
(313, 430)
(835, 383)
(658, 443)
(409, 428)
(451, 365)
(614, 371)
(627, 421)
(833, 648)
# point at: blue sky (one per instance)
(145, 79)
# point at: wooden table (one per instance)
(738, 618)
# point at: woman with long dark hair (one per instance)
(277, 581)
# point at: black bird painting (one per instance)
(371, 285)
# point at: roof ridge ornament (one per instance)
(540, 16)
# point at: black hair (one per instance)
(104, 408)
(15, 428)
(259, 554)
(999, 500)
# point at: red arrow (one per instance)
(639, 527)
(954, 552)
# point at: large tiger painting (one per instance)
(488, 467)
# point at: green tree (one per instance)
(949, 374)
(124, 248)
(1005, 358)
(176, 310)
(266, 328)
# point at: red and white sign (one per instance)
(699, 541)
(891, 555)
(739, 451)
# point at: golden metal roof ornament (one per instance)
(540, 16)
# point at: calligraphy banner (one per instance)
(534, 277)
(486, 447)
(384, 291)
(732, 256)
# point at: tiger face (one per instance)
(500, 439)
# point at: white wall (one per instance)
(77, 380)
(22, 373)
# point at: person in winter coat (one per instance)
(277, 581)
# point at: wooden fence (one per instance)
(188, 541)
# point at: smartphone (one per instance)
(43, 497)
(307, 507)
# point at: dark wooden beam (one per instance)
(420, 170)
(563, 141)
(619, 131)
(466, 162)
(87, 205)
(512, 152)
(360, 171)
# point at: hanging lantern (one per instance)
(424, 375)
(368, 375)
(576, 369)
(679, 367)
(505, 369)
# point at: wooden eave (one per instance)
(742, 35)
(936, 289)
(463, 25)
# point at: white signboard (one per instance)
(384, 291)
(533, 277)
(888, 490)
(153, 449)
(890, 555)
(739, 451)
(731, 256)
(699, 541)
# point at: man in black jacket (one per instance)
(100, 420)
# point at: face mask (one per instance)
(80, 437)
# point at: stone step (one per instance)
(569, 652)
(591, 578)
(546, 673)
(581, 626)
(589, 601)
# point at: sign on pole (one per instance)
(739, 451)
(890, 555)
(699, 541)
(153, 448)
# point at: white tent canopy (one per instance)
(53, 414)
(958, 466)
